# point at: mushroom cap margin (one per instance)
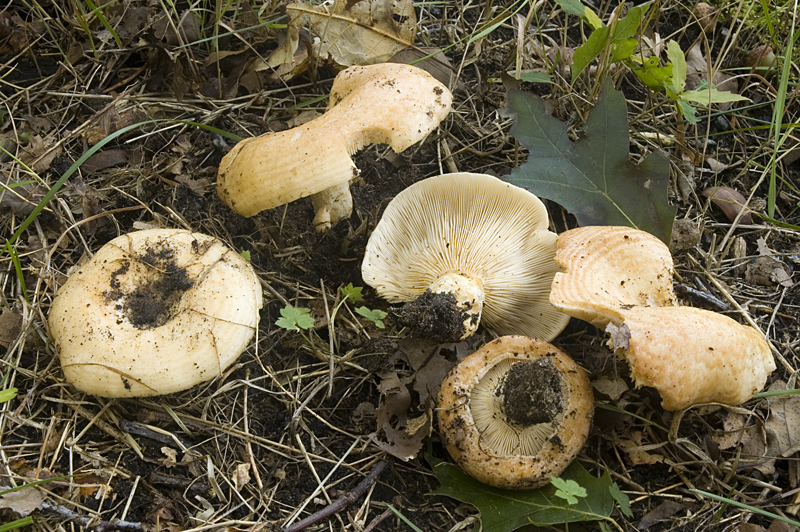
(462, 437)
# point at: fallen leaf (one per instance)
(620, 335)
(730, 201)
(613, 387)
(434, 63)
(105, 159)
(241, 477)
(783, 422)
(504, 510)
(351, 33)
(637, 452)
(592, 178)
(10, 326)
(403, 437)
(662, 512)
(23, 501)
(41, 152)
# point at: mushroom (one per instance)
(515, 413)
(386, 103)
(154, 312)
(608, 267)
(465, 248)
(620, 280)
(694, 356)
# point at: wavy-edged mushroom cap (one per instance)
(607, 267)
(488, 235)
(693, 356)
(154, 312)
(515, 412)
(387, 103)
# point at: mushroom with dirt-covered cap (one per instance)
(464, 248)
(154, 312)
(516, 412)
(386, 103)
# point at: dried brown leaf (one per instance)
(730, 201)
(662, 512)
(10, 326)
(350, 33)
(22, 502)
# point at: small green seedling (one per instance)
(245, 254)
(375, 316)
(569, 490)
(295, 319)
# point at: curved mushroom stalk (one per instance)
(449, 310)
(386, 103)
(516, 412)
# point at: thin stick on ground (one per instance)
(342, 502)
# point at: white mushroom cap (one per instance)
(386, 103)
(515, 412)
(607, 267)
(154, 312)
(481, 227)
(693, 356)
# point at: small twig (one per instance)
(89, 522)
(378, 520)
(342, 502)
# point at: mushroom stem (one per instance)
(331, 206)
(449, 310)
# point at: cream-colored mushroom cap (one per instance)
(516, 412)
(693, 356)
(607, 267)
(154, 312)
(491, 234)
(386, 103)
(620, 279)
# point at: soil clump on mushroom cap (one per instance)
(533, 392)
(155, 301)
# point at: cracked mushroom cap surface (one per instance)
(694, 356)
(608, 267)
(386, 103)
(515, 412)
(154, 312)
(477, 226)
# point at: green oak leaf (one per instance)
(593, 178)
(506, 510)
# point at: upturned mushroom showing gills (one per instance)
(154, 312)
(462, 249)
(386, 103)
(515, 413)
(620, 280)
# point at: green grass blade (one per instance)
(747, 507)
